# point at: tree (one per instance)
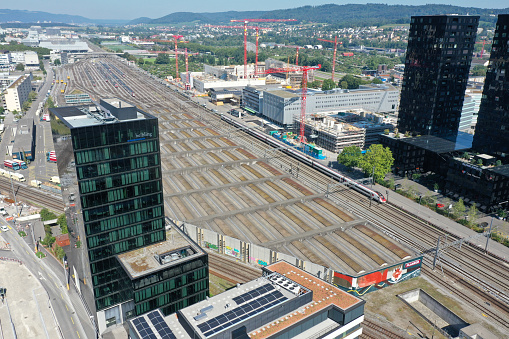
(458, 208)
(378, 157)
(162, 58)
(350, 156)
(466, 156)
(328, 84)
(350, 82)
(472, 214)
(377, 81)
(2, 110)
(47, 215)
(479, 70)
(59, 252)
(26, 106)
(20, 67)
(57, 62)
(314, 84)
(32, 95)
(49, 239)
(62, 221)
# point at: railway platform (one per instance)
(443, 222)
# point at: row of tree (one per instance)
(377, 160)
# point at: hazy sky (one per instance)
(131, 9)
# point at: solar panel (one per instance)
(160, 325)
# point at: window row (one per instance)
(170, 285)
(116, 152)
(128, 192)
(104, 183)
(124, 220)
(122, 207)
(126, 245)
(124, 233)
(117, 166)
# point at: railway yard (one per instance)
(219, 178)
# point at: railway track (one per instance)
(32, 196)
(233, 271)
(486, 275)
(371, 330)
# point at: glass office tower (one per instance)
(437, 64)
(109, 165)
(492, 130)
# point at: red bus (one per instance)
(21, 163)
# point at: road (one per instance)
(69, 311)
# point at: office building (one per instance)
(109, 167)
(286, 302)
(283, 106)
(492, 130)
(437, 64)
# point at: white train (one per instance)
(13, 175)
(375, 195)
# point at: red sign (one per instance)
(9, 218)
(412, 263)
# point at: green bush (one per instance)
(22, 234)
(47, 215)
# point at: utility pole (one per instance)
(14, 194)
(489, 236)
(373, 177)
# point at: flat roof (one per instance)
(283, 94)
(95, 114)
(462, 141)
(144, 261)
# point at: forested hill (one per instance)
(340, 15)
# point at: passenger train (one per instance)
(375, 195)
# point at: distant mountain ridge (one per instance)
(352, 14)
(340, 15)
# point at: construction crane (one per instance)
(296, 54)
(246, 21)
(175, 41)
(483, 43)
(335, 42)
(304, 70)
(188, 84)
(245, 42)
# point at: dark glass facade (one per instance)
(437, 64)
(172, 288)
(492, 130)
(113, 169)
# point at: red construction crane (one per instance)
(304, 70)
(245, 21)
(296, 54)
(335, 42)
(483, 43)
(175, 41)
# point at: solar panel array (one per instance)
(242, 312)
(160, 325)
(253, 294)
(143, 328)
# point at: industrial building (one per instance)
(282, 106)
(69, 46)
(204, 83)
(24, 141)
(109, 164)
(334, 132)
(437, 64)
(286, 302)
(17, 92)
(492, 130)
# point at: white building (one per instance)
(31, 59)
(5, 61)
(17, 93)
(281, 106)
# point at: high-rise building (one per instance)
(110, 171)
(492, 130)
(437, 64)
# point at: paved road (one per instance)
(72, 317)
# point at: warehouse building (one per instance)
(286, 302)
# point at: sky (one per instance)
(131, 9)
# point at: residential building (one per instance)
(122, 260)
(492, 130)
(282, 106)
(437, 64)
(286, 302)
(5, 61)
(17, 92)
